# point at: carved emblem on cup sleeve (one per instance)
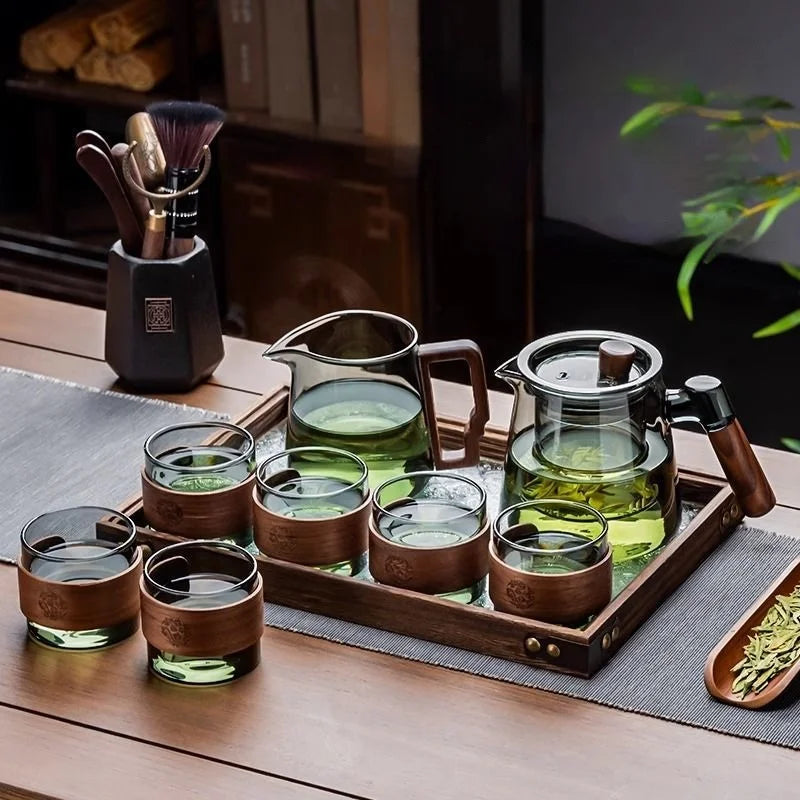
(174, 631)
(52, 605)
(398, 568)
(519, 594)
(170, 511)
(281, 539)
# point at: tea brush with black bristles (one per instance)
(185, 130)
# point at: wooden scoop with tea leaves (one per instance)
(760, 656)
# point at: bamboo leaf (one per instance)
(718, 194)
(779, 326)
(641, 84)
(687, 271)
(791, 270)
(766, 102)
(744, 122)
(649, 117)
(784, 145)
(691, 95)
(792, 444)
(712, 219)
(772, 213)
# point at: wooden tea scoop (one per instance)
(102, 171)
(140, 204)
(730, 651)
(92, 137)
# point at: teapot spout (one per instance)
(509, 372)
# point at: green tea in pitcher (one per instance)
(381, 422)
(635, 490)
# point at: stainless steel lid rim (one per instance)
(590, 337)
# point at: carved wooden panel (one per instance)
(311, 228)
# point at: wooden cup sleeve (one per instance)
(203, 632)
(312, 542)
(561, 599)
(432, 570)
(81, 606)
(198, 515)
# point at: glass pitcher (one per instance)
(361, 382)
(591, 422)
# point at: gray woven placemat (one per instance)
(66, 445)
(658, 672)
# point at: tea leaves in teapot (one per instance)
(637, 498)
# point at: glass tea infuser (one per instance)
(361, 382)
(591, 424)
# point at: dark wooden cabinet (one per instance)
(301, 220)
(314, 227)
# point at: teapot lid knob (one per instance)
(614, 362)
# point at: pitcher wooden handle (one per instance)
(741, 468)
(457, 350)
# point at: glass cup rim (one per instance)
(179, 547)
(249, 451)
(31, 550)
(359, 462)
(583, 507)
(431, 473)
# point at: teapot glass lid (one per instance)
(589, 363)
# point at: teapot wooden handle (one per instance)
(704, 400)
(741, 468)
(457, 350)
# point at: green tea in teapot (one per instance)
(379, 421)
(635, 495)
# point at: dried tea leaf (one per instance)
(772, 646)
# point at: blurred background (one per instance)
(458, 162)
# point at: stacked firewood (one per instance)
(115, 42)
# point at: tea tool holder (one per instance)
(163, 332)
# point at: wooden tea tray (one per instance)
(482, 630)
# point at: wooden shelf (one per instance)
(68, 91)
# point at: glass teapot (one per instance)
(361, 382)
(591, 422)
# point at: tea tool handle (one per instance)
(704, 400)
(102, 171)
(456, 350)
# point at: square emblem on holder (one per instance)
(158, 315)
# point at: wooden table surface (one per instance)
(319, 719)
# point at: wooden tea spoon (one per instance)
(730, 651)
